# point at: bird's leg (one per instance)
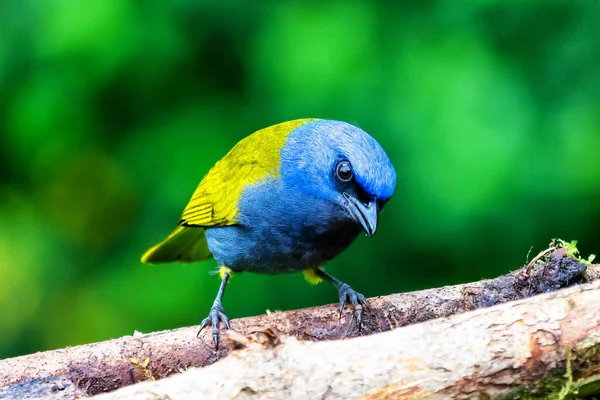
(217, 314)
(346, 295)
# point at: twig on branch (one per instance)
(540, 255)
(105, 366)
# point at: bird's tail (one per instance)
(185, 244)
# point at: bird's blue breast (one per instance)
(281, 229)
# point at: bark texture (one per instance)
(105, 366)
(544, 347)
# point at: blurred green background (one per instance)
(111, 112)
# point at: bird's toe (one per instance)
(215, 317)
(363, 301)
(358, 301)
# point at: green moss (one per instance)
(573, 251)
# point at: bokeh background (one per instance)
(111, 111)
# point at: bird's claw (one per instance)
(358, 301)
(215, 316)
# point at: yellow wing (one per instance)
(253, 159)
(184, 244)
(214, 202)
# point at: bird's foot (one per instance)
(358, 301)
(215, 316)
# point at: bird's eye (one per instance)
(344, 171)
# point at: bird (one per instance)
(287, 198)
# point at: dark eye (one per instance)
(344, 171)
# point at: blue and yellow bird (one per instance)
(287, 198)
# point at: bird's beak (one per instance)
(364, 213)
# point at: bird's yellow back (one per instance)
(214, 202)
(251, 160)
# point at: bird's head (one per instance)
(341, 164)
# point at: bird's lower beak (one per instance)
(364, 213)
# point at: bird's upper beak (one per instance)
(364, 213)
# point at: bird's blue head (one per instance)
(340, 164)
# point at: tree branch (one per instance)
(543, 347)
(100, 367)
